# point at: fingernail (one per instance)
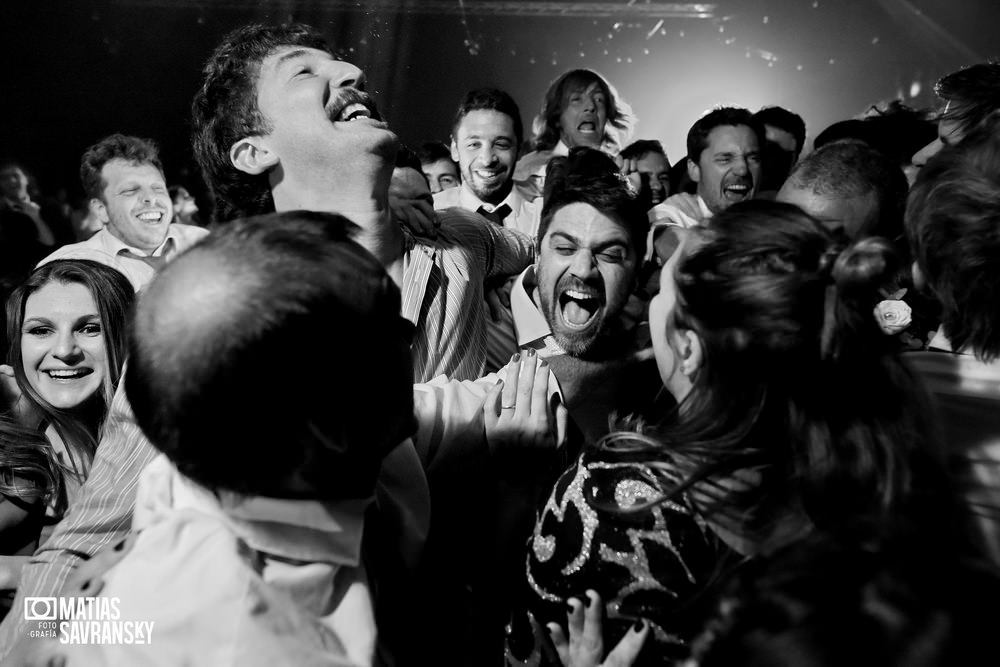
(516, 358)
(531, 351)
(499, 382)
(639, 625)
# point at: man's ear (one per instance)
(690, 351)
(454, 151)
(251, 156)
(694, 171)
(98, 208)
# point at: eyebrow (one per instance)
(44, 320)
(600, 246)
(290, 55)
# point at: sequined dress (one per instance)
(655, 563)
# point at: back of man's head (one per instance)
(953, 225)
(225, 110)
(133, 150)
(640, 148)
(871, 187)
(489, 99)
(271, 359)
(786, 120)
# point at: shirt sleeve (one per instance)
(102, 514)
(498, 251)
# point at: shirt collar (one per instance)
(529, 323)
(706, 213)
(305, 530)
(470, 202)
(116, 246)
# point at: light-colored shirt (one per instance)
(226, 580)
(666, 214)
(525, 211)
(103, 513)
(529, 172)
(530, 326)
(443, 291)
(137, 265)
(524, 217)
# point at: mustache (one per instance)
(344, 97)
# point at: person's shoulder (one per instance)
(90, 249)
(447, 198)
(459, 225)
(187, 234)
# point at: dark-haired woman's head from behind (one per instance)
(764, 330)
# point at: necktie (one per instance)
(498, 214)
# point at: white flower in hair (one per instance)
(892, 316)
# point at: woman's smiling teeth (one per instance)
(68, 373)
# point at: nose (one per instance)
(487, 155)
(589, 104)
(344, 75)
(66, 349)
(657, 190)
(921, 157)
(583, 264)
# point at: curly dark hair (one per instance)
(133, 150)
(589, 176)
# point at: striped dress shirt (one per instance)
(443, 291)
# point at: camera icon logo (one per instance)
(40, 609)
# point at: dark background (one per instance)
(75, 71)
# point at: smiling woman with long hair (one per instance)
(66, 330)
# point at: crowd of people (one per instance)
(527, 398)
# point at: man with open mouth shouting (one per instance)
(581, 108)
(724, 159)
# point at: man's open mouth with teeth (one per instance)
(351, 105)
(152, 217)
(579, 307)
(737, 190)
(490, 179)
(588, 126)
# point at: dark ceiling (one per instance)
(76, 70)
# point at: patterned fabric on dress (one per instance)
(654, 563)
